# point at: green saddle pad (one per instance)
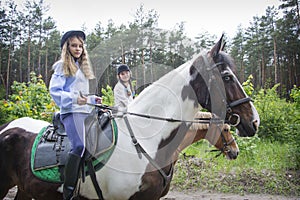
(50, 167)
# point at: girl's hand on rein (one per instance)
(81, 100)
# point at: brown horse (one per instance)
(218, 135)
(141, 165)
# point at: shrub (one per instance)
(107, 96)
(30, 99)
(248, 86)
(277, 116)
(295, 95)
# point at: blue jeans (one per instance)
(75, 129)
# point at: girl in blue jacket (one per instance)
(69, 81)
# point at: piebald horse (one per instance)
(140, 168)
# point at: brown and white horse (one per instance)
(219, 136)
(207, 81)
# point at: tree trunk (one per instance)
(1, 63)
(39, 61)
(263, 70)
(8, 72)
(242, 73)
(46, 67)
(275, 62)
(28, 57)
(298, 16)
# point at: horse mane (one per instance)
(204, 126)
(200, 126)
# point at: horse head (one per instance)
(225, 141)
(218, 90)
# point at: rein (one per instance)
(199, 120)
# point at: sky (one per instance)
(215, 17)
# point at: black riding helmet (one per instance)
(70, 34)
(123, 68)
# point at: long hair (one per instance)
(69, 65)
(129, 83)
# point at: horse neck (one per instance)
(166, 94)
(191, 137)
(164, 99)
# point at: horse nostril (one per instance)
(235, 155)
(255, 125)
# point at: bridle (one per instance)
(225, 143)
(231, 118)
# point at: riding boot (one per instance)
(71, 175)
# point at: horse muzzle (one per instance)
(247, 129)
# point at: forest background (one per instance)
(267, 55)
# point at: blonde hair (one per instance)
(69, 65)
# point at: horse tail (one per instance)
(7, 153)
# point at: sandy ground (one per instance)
(203, 195)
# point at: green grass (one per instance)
(265, 168)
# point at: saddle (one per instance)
(51, 146)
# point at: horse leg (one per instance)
(4, 186)
(5, 182)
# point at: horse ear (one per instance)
(223, 46)
(217, 47)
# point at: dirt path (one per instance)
(203, 195)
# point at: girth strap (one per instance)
(133, 138)
(94, 179)
(140, 150)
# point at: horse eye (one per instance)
(227, 78)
